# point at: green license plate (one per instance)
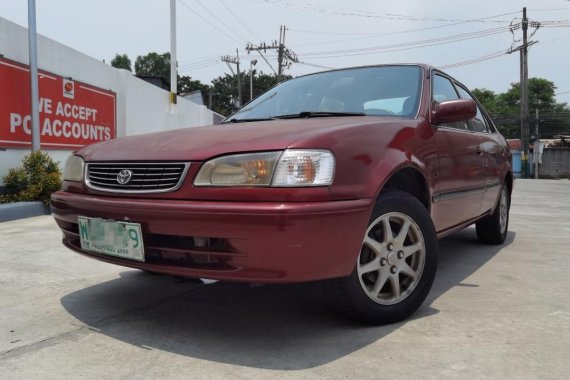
(110, 237)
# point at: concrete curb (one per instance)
(21, 210)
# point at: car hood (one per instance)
(201, 143)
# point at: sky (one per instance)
(322, 33)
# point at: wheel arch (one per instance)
(509, 182)
(410, 180)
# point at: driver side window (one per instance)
(444, 90)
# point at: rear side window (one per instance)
(478, 123)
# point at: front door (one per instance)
(460, 174)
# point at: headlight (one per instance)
(73, 169)
(291, 168)
(255, 169)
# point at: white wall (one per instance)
(141, 107)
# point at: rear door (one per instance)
(460, 171)
(493, 154)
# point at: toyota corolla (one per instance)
(348, 176)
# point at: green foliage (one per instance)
(158, 65)
(153, 64)
(224, 88)
(121, 61)
(187, 84)
(504, 108)
(225, 93)
(35, 180)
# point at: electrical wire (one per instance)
(404, 46)
(358, 13)
(402, 31)
(486, 57)
(220, 20)
(315, 65)
(209, 23)
(240, 21)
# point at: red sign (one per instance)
(72, 114)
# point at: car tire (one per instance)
(396, 266)
(493, 228)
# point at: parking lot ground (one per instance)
(494, 312)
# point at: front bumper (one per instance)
(264, 242)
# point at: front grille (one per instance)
(135, 177)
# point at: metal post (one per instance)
(210, 99)
(173, 69)
(280, 54)
(536, 147)
(239, 79)
(34, 91)
(524, 92)
(251, 64)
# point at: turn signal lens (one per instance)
(73, 169)
(304, 168)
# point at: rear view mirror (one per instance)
(451, 111)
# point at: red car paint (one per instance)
(272, 235)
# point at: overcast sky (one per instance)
(331, 33)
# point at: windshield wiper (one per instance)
(234, 120)
(307, 114)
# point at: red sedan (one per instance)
(348, 176)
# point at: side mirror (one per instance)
(451, 111)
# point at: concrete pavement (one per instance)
(494, 312)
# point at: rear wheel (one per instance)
(493, 228)
(396, 265)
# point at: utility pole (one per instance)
(173, 69)
(235, 60)
(524, 103)
(285, 57)
(280, 52)
(524, 94)
(210, 98)
(34, 88)
(536, 146)
(251, 64)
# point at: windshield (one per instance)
(378, 91)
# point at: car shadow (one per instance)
(283, 327)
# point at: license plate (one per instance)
(110, 237)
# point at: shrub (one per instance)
(35, 180)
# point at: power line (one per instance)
(220, 20)
(406, 45)
(482, 58)
(209, 23)
(239, 20)
(374, 34)
(359, 13)
(315, 65)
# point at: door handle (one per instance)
(478, 150)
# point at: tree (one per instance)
(505, 108)
(153, 64)
(225, 94)
(487, 98)
(121, 61)
(187, 84)
(158, 65)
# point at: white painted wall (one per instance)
(141, 107)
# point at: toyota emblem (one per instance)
(124, 176)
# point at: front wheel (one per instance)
(396, 265)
